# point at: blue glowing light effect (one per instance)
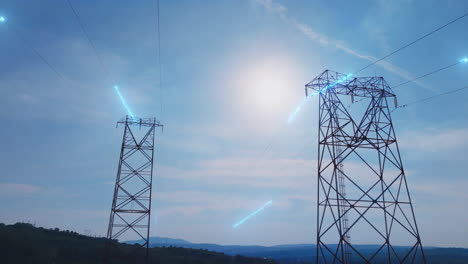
(2, 19)
(464, 60)
(252, 214)
(124, 103)
(303, 102)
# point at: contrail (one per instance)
(124, 103)
(281, 10)
(252, 214)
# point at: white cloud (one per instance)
(275, 173)
(290, 181)
(452, 189)
(27, 98)
(190, 203)
(434, 140)
(285, 181)
(437, 207)
(18, 189)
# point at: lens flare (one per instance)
(304, 101)
(252, 214)
(124, 103)
(464, 60)
(2, 19)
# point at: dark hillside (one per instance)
(24, 243)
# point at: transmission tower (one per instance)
(131, 205)
(371, 198)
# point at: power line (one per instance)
(398, 50)
(417, 78)
(413, 42)
(427, 74)
(273, 138)
(158, 33)
(158, 27)
(431, 97)
(43, 59)
(357, 101)
(268, 148)
(83, 29)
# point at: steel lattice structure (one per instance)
(131, 205)
(362, 187)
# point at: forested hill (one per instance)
(24, 243)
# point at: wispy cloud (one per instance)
(435, 140)
(191, 203)
(18, 189)
(446, 189)
(324, 40)
(195, 202)
(274, 173)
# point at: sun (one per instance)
(265, 87)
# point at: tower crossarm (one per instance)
(348, 85)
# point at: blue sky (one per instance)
(232, 72)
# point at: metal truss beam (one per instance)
(131, 204)
(371, 196)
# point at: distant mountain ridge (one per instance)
(302, 253)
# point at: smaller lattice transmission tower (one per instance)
(130, 215)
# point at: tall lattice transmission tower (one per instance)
(130, 215)
(370, 198)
